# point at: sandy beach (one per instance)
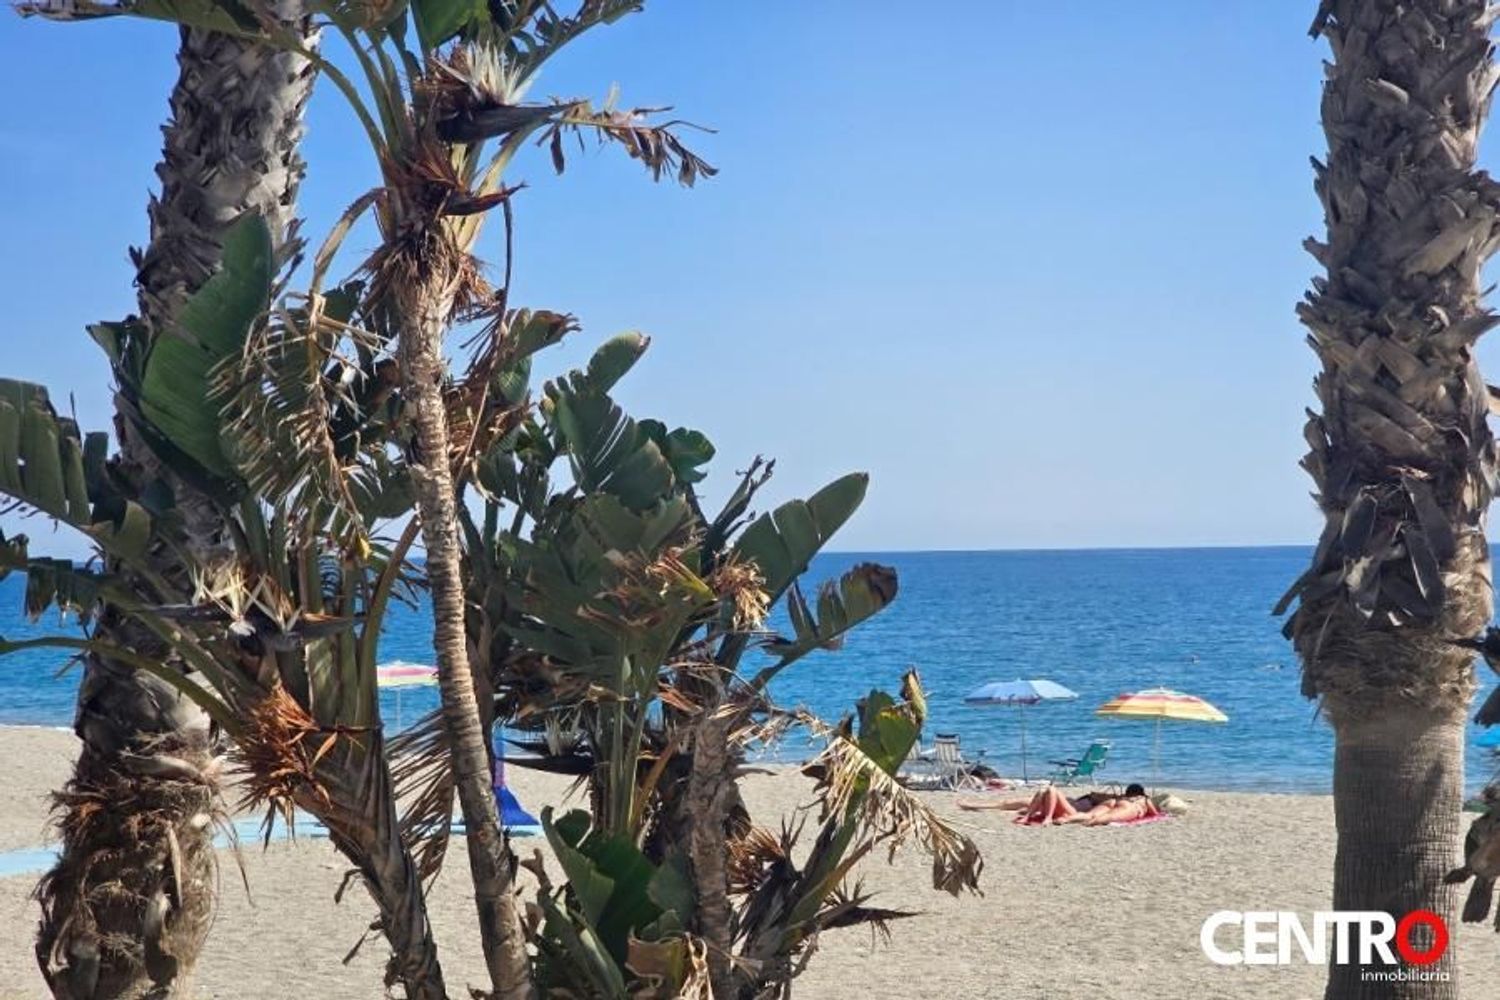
(1107, 913)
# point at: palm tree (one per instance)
(282, 629)
(1401, 454)
(426, 306)
(430, 134)
(429, 123)
(230, 147)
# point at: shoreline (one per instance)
(1189, 785)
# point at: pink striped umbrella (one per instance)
(399, 674)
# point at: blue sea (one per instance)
(1100, 622)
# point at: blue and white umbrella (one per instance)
(1020, 694)
(1491, 738)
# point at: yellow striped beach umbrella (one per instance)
(1160, 704)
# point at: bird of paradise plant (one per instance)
(616, 602)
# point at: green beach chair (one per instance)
(1071, 770)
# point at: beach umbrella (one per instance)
(399, 674)
(1491, 738)
(1160, 704)
(1020, 694)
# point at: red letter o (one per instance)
(1439, 937)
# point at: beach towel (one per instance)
(1142, 819)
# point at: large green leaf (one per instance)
(381, 488)
(528, 332)
(607, 449)
(888, 730)
(45, 465)
(672, 889)
(614, 358)
(611, 880)
(50, 582)
(783, 542)
(124, 343)
(857, 596)
(687, 451)
(639, 463)
(174, 396)
(440, 20)
(226, 16)
(587, 962)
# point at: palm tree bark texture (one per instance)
(1401, 453)
(424, 303)
(128, 906)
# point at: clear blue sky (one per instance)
(1032, 265)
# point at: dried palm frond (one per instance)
(696, 985)
(758, 855)
(490, 400)
(854, 784)
(531, 686)
(647, 591)
(533, 29)
(422, 775)
(420, 256)
(306, 397)
(741, 584)
(675, 967)
(277, 755)
(655, 145)
(774, 723)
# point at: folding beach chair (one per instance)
(1074, 768)
(953, 772)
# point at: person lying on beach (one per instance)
(1024, 803)
(1049, 806)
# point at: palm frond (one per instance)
(277, 754)
(854, 785)
(847, 907)
(422, 774)
(759, 855)
(656, 145)
(306, 400)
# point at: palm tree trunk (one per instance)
(130, 901)
(1401, 453)
(424, 305)
(1397, 796)
(706, 806)
(127, 905)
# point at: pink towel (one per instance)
(1141, 820)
